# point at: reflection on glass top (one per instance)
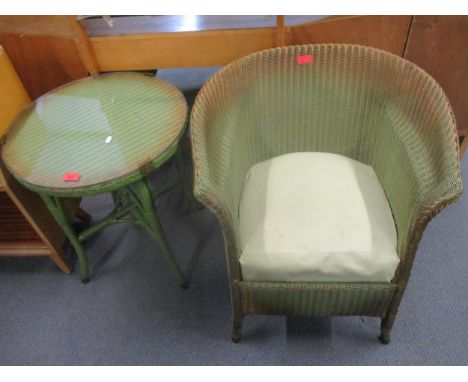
(102, 127)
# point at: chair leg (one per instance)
(186, 182)
(236, 310)
(386, 326)
(237, 321)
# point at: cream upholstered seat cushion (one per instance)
(316, 217)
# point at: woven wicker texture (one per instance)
(360, 102)
(65, 131)
(318, 299)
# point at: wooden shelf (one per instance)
(13, 225)
(26, 226)
(36, 248)
(17, 236)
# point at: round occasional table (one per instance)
(101, 134)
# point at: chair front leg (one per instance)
(237, 321)
(236, 312)
(386, 326)
(186, 183)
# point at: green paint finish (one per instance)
(360, 102)
(55, 206)
(111, 129)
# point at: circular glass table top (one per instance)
(94, 131)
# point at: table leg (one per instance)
(55, 207)
(151, 220)
(115, 198)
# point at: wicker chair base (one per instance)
(316, 299)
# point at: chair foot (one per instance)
(185, 285)
(237, 328)
(385, 340)
(386, 329)
(85, 280)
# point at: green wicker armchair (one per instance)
(360, 102)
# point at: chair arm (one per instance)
(220, 165)
(415, 155)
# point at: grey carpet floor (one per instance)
(133, 313)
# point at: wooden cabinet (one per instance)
(48, 51)
(26, 226)
(439, 45)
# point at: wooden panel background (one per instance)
(55, 26)
(43, 62)
(179, 49)
(439, 45)
(47, 52)
(383, 32)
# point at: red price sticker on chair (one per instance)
(71, 177)
(304, 59)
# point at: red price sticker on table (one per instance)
(71, 177)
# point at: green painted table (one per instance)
(101, 134)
